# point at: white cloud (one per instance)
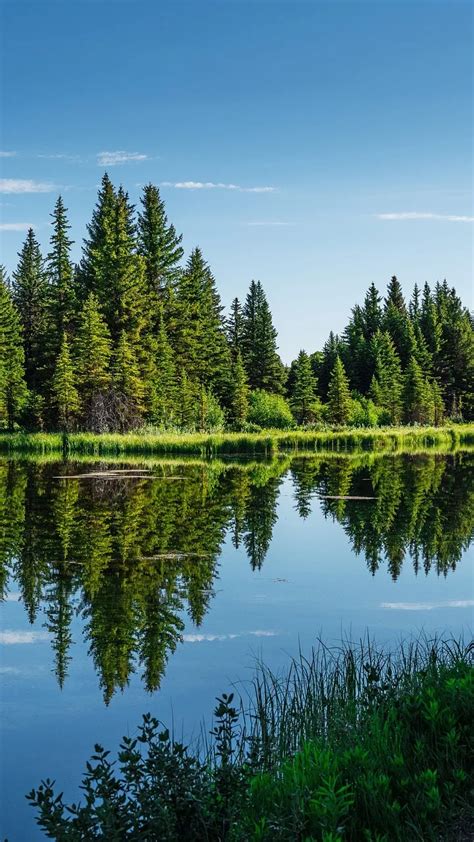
(110, 159)
(9, 638)
(213, 185)
(4, 154)
(25, 185)
(15, 226)
(60, 156)
(14, 596)
(200, 638)
(422, 215)
(428, 606)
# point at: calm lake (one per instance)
(152, 586)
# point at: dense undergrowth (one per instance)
(264, 442)
(349, 744)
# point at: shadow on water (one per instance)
(130, 549)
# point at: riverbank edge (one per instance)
(267, 442)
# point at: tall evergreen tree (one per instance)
(235, 328)
(164, 403)
(259, 349)
(13, 390)
(30, 294)
(339, 396)
(371, 312)
(333, 348)
(304, 392)
(417, 396)
(66, 396)
(158, 243)
(240, 392)
(386, 387)
(93, 351)
(62, 293)
(127, 384)
(96, 266)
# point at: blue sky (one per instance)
(316, 146)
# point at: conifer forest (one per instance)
(135, 337)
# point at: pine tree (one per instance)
(158, 243)
(371, 312)
(417, 396)
(62, 294)
(259, 349)
(93, 351)
(125, 305)
(30, 293)
(240, 392)
(13, 391)
(339, 397)
(96, 266)
(66, 396)
(304, 392)
(333, 348)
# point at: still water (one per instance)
(154, 585)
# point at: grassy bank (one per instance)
(351, 744)
(268, 442)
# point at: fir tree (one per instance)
(66, 396)
(304, 392)
(165, 395)
(339, 397)
(371, 312)
(13, 391)
(417, 396)
(324, 366)
(259, 349)
(30, 293)
(386, 386)
(127, 384)
(96, 266)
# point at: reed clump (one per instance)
(352, 743)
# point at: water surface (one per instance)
(153, 585)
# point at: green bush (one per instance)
(364, 413)
(269, 411)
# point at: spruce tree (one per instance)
(304, 391)
(371, 312)
(158, 243)
(66, 396)
(339, 396)
(164, 407)
(259, 348)
(13, 391)
(323, 366)
(30, 294)
(93, 351)
(129, 390)
(418, 403)
(96, 266)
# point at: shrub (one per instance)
(269, 411)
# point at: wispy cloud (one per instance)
(5, 154)
(208, 638)
(110, 159)
(428, 606)
(60, 156)
(213, 185)
(408, 215)
(269, 224)
(10, 638)
(16, 226)
(25, 185)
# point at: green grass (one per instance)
(269, 442)
(352, 744)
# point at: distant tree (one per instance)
(66, 396)
(13, 391)
(60, 271)
(304, 391)
(339, 396)
(332, 349)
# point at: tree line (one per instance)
(131, 336)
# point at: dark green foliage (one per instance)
(158, 243)
(93, 352)
(62, 293)
(240, 394)
(13, 392)
(30, 295)
(386, 386)
(417, 396)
